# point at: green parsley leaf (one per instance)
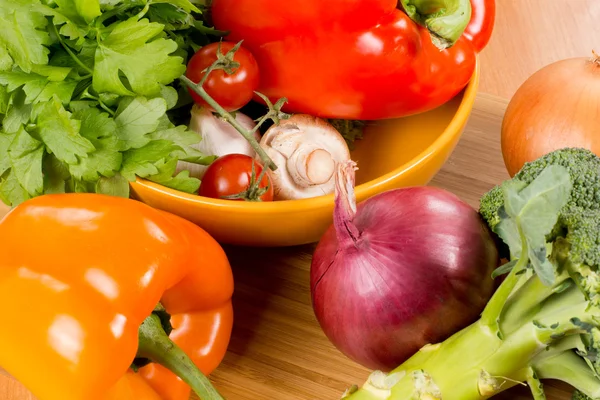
(185, 5)
(4, 100)
(114, 186)
(11, 191)
(141, 161)
(26, 156)
(6, 61)
(99, 129)
(18, 112)
(146, 63)
(88, 9)
(38, 88)
(55, 174)
(60, 132)
(137, 119)
(23, 33)
(184, 138)
(109, 4)
(181, 181)
(5, 141)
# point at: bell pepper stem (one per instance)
(155, 345)
(446, 20)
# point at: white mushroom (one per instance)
(218, 138)
(306, 150)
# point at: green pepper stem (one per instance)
(154, 344)
(446, 20)
(199, 90)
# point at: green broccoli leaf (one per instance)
(99, 129)
(26, 156)
(146, 63)
(142, 161)
(181, 181)
(11, 191)
(23, 33)
(114, 186)
(136, 119)
(60, 132)
(532, 210)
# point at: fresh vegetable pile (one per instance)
(97, 93)
(542, 322)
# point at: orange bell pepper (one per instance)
(82, 281)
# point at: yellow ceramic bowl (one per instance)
(394, 153)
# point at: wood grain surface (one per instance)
(530, 34)
(278, 351)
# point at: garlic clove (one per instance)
(218, 138)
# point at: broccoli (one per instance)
(543, 321)
(577, 395)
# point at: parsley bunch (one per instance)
(89, 95)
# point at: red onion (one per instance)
(405, 268)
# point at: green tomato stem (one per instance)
(155, 345)
(199, 90)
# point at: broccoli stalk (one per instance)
(543, 320)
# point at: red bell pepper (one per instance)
(360, 59)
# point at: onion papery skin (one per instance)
(556, 107)
(410, 268)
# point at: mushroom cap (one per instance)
(306, 150)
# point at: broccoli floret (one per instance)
(543, 321)
(583, 167)
(577, 395)
(579, 219)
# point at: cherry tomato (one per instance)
(231, 174)
(232, 92)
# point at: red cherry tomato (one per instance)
(232, 92)
(231, 174)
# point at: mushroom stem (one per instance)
(310, 166)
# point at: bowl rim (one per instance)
(364, 190)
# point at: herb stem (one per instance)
(68, 50)
(106, 108)
(141, 14)
(199, 90)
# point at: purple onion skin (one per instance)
(412, 267)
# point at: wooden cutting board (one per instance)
(278, 351)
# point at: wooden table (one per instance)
(277, 350)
